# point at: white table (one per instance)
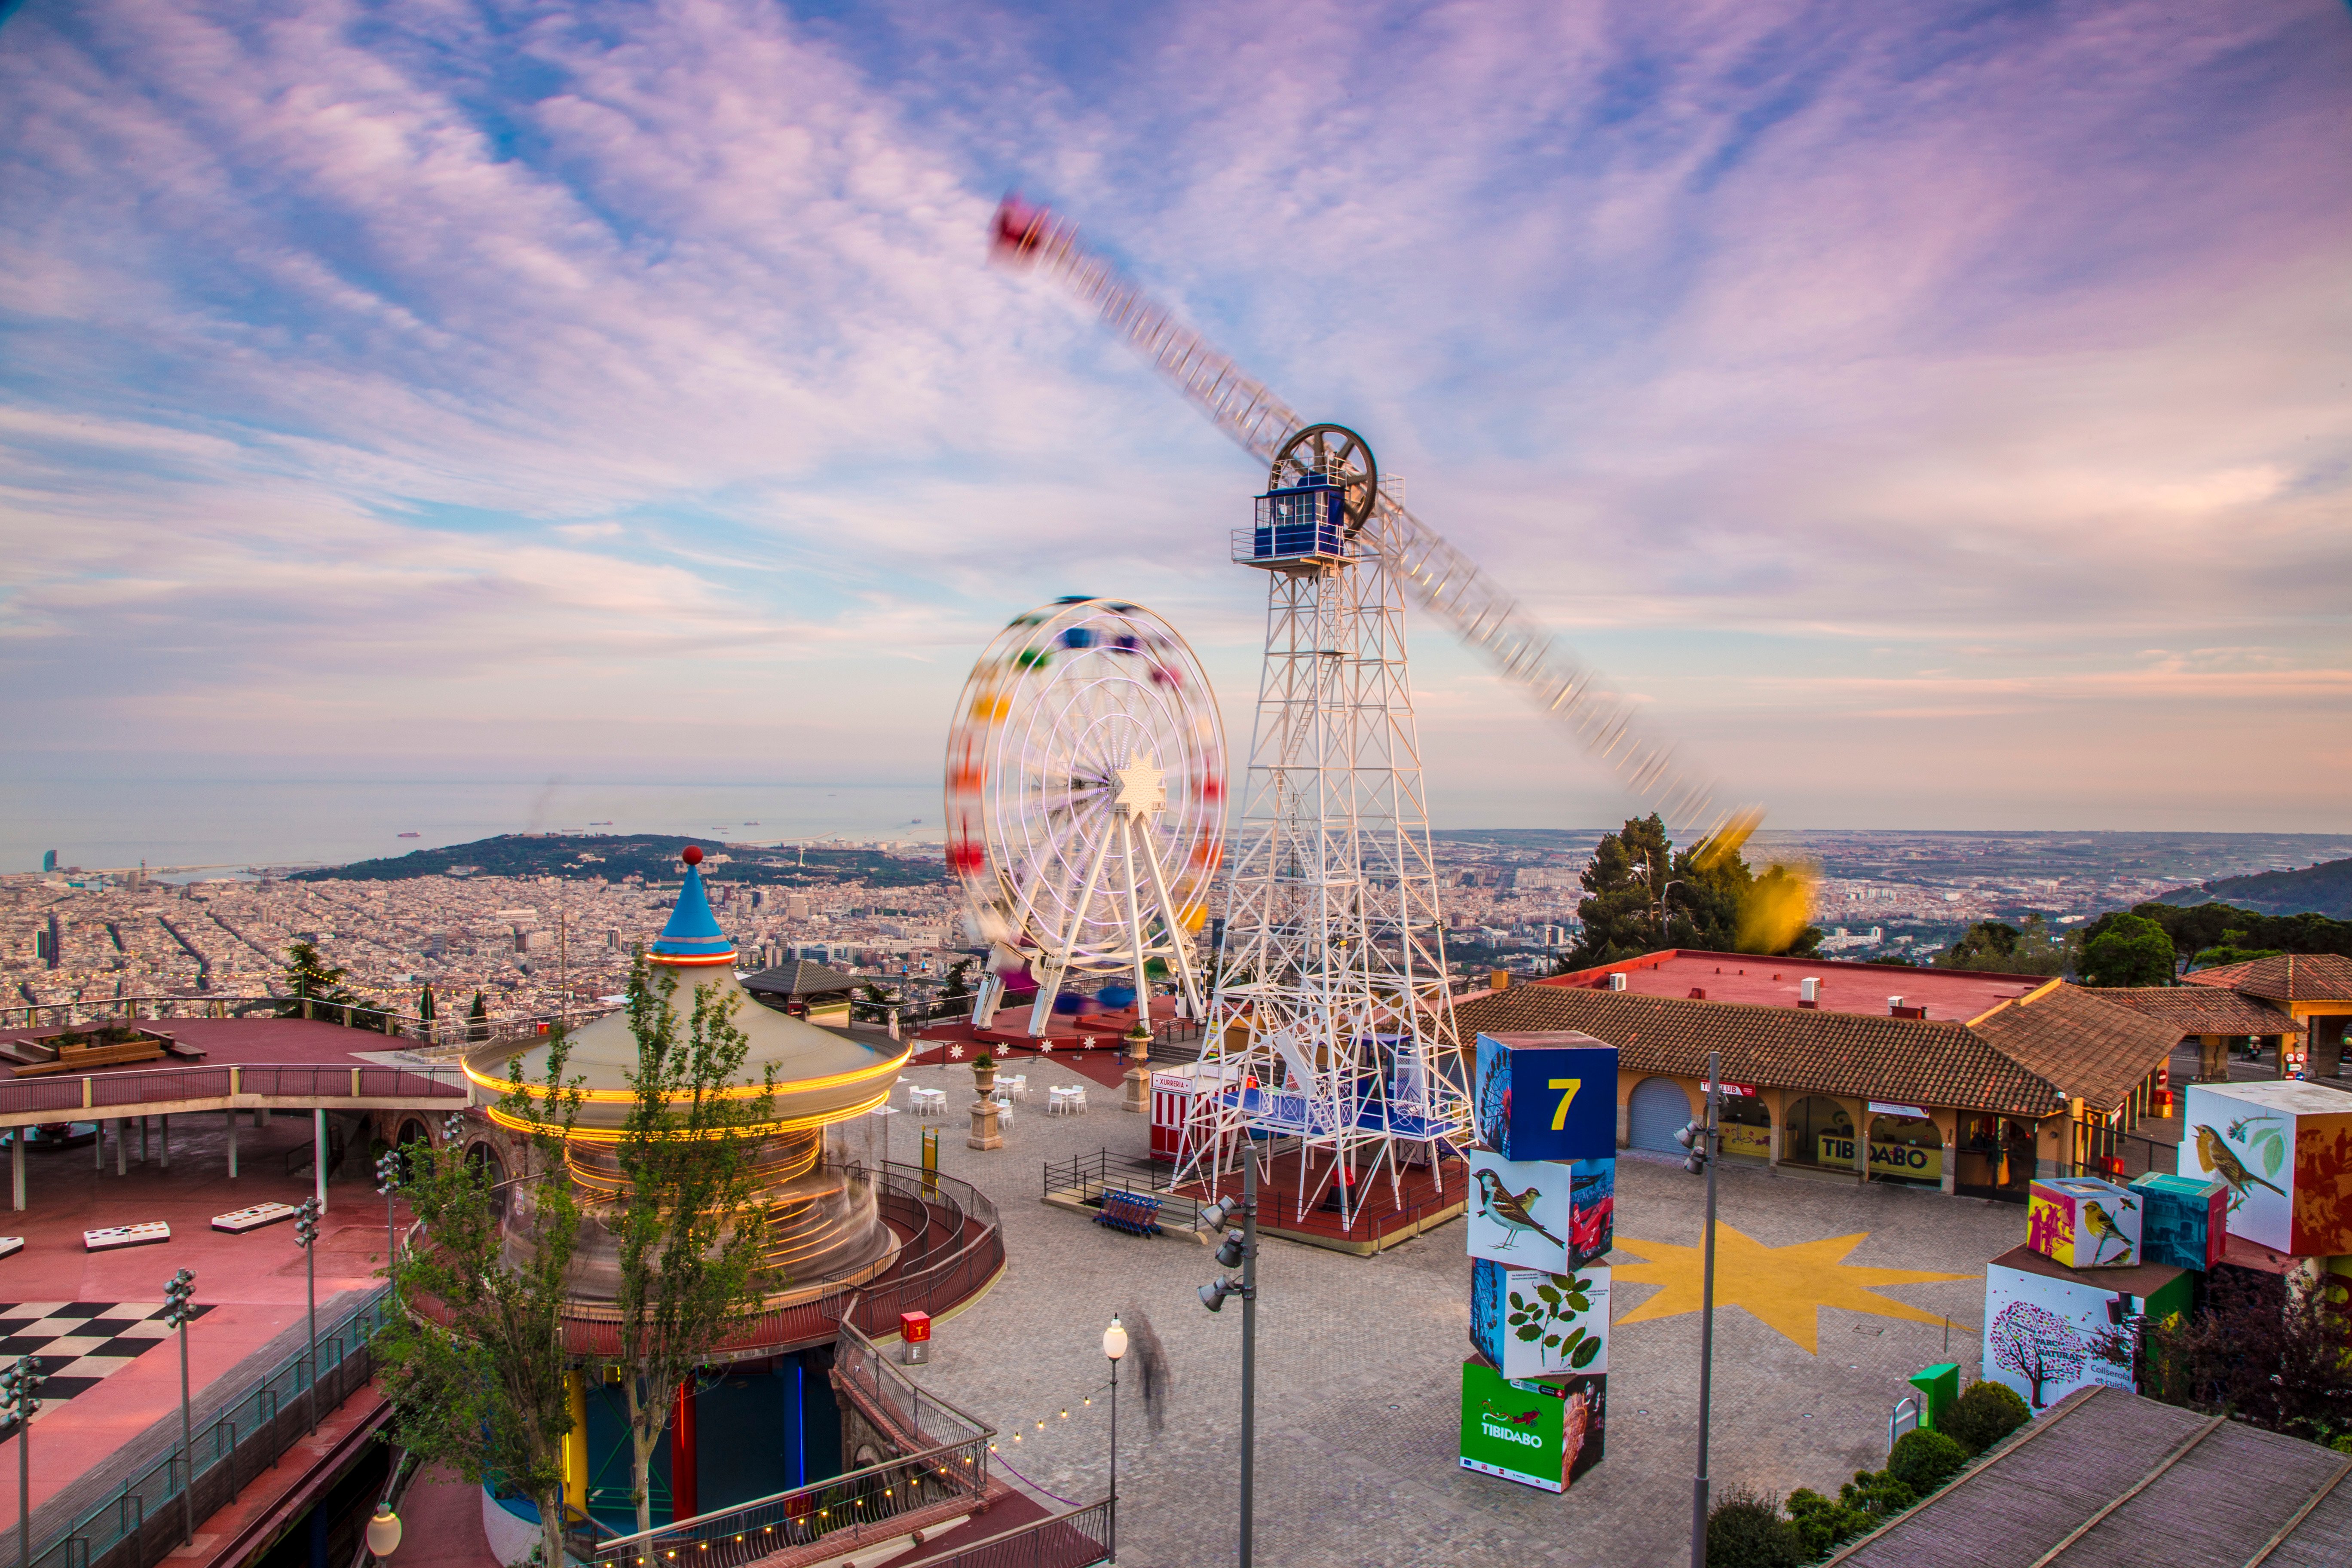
(1065, 1100)
(1012, 1084)
(927, 1101)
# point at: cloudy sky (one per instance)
(1934, 415)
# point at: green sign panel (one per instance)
(1512, 1429)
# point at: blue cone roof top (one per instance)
(693, 930)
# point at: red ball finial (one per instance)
(692, 855)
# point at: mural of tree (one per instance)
(2037, 1344)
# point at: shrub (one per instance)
(1982, 1417)
(1924, 1460)
(1745, 1530)
(1822, 1522)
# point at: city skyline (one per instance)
(1924, 415)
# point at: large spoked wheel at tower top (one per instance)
(1086, 792)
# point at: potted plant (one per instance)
(983, 1072)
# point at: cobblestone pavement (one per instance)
(1359, 1367)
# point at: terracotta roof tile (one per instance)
(1909, 1060)
(2196, 1009)
(2085, 1046)
(2288, 977)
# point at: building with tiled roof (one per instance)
(2312, 991)
(2208, 1015)
(2045, 1079)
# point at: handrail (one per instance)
(111, 1088)
(856, 1504)
(247, 1437)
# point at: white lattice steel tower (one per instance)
(1333, 961)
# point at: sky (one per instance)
(1935, 414)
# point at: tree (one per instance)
(1643, 895)
(1745, 1530)
(1997, 948)
(2275, 1356)
(875, 1001)
(478, 1021)
(2130, 951)
(2037, 1344)
(691, 1235)
(424, 1007)
(310, 978)
(959, 985)
(477, 1372)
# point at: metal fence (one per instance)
(430, 1033)
(1072, 1540)
(141, 1521)
(68, 1094)
(1087, 1177)
(945, 1470)
(954, 1246)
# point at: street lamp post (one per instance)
(387, 1181)
(20, 1388)
(179, 1307)
(1114, 1345)
(1703, 1139)
(306, 1237)
(1241, 1248)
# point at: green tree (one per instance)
(958, 982)
(2130, 951)
(310, 978)
(475, 1372)
(424, 1007)
(478, 1020)
(1995, 948)
(1643, 895)
(692, 1237)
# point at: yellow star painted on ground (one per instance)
(1784, 1287)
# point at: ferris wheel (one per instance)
(1086, 792)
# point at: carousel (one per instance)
(823, 1226)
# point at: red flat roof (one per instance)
(244, 1042)
(1957, 994)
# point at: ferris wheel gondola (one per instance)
(1086, 804)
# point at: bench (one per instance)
(1130, 1211)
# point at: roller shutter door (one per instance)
(1658, 1110)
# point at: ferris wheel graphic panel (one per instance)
(1086, 799)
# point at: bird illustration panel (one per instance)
(2285, 1150)
(2083, 1222)
(1520, 1211)
(2182, 1219)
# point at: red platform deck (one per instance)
(1385, 1217)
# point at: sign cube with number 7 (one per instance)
(1550, 1095)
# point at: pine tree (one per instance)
(477, 1022)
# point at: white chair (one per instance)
(1065, 1100)
(1016, 1084)
(927, 1101)
(1003, 1113)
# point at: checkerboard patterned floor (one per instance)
(80, 1344)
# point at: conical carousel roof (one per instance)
(821, 1077)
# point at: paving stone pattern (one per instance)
(1358, 1368)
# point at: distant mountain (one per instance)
(610, 857)
(2323, 890)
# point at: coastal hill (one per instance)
(2323, 889)
(610, 857)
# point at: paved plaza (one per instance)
(1359, 1372)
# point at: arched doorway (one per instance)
(491, 1171)
(1658, 1110)
(1820, 1132)
(1907, 1148)
(412, 1131)
(1747, 1128)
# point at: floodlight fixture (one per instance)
(1229, 1256)
(1213, 1294)
(1213, 1217)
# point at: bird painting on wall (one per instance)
(2102, 1224)
(2226, 1165)
(1510, 1209)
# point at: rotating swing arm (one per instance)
(1441, 579)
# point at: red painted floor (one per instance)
(441, 1524)
(247, 1042)
(253, 1282)
(954, 1045)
